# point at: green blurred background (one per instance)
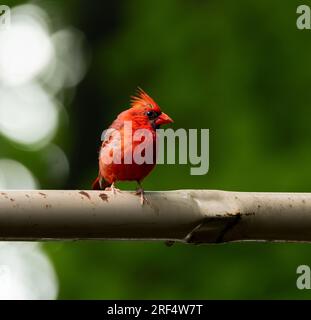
(240, 68)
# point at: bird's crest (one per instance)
(142, 99)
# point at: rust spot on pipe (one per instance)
(85, 194)
(104, 197)
(42, 194)
(248, 214)
(228, 214)
(5, 195)
(11, 199)
(27, 196)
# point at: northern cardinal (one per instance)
(144, 113)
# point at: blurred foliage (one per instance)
(240, 68)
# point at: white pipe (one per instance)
(193, 216)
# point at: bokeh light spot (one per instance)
(26, 48)
(28, 115)
(14, 175)
(26, 272)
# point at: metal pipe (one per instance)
(192, 216)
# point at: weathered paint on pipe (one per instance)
(193, 216)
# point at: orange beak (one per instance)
(163, 118)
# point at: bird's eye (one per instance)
(151, 114)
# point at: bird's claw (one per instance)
(113, 189)
(143, 198)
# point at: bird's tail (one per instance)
(96, 185)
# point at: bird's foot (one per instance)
(141, 193)
(113, 189)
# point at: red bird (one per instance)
(143, 114)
